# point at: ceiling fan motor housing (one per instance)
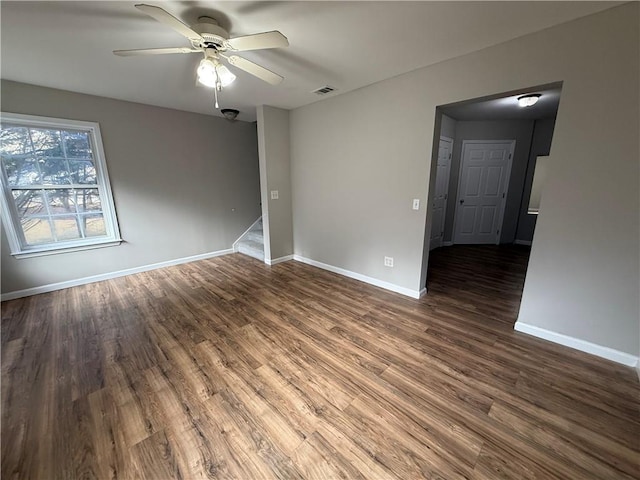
(212, 33)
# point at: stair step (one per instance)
(252, 242)
(251, 248)
(255, 235)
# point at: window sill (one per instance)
(58, 250)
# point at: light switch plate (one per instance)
(274, 194)
(388, 261)
(416, 204)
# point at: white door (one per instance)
(441, 192)
(485, 167)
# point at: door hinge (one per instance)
(509, 156)
(449, 156)
(498, 232)
(503, 195)
(445, 196)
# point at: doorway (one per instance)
(481, 223)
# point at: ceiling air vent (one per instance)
(323, 90)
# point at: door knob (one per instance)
(461, 201)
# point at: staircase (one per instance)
(252, 242)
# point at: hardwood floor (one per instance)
(227, 368)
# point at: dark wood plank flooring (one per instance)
(227, 368)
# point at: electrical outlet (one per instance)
(416, 204)
(388, 261)
(274, 194)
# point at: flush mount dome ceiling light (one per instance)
(230, 113)
(528, 100)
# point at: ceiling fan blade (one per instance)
(258, 41)
(255, 70)
(169, 20)
(156, 51)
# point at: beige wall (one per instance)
(275, 174)
(358, 159)
(184, 184)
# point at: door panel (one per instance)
(441, 191)
(484, 177)
(473, 178)
(487, 220)
(437, 220)
(468, 219)
(492, 186)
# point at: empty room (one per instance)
(320, 240)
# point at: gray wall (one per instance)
(184, 184)
(540, 145)
(275, 174)
(354, 173)
(448, 127)
(518, 130)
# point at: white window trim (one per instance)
(10, 216)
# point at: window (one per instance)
(56, 195)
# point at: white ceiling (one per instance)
(347, 45)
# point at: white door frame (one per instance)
(506, 188)
(446, 199)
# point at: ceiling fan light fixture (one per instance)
(529, 100)
(207, 73)
(211, 71)
(225, 75)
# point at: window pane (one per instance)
(55, 171)
(14, 141)
(83, 171)
(88, 200)
(77, 145)
(46, 142)
(94, 225)
(21, 171)
(61, 201)
(66, 227)
(36, 230)
(29, 202)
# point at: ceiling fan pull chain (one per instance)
(215, 91)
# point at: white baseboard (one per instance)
(576, 343)
(522, 242)
(275, 261)
(447, 244)
(363, 278)
(106, 276)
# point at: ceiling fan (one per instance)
(210, 39)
